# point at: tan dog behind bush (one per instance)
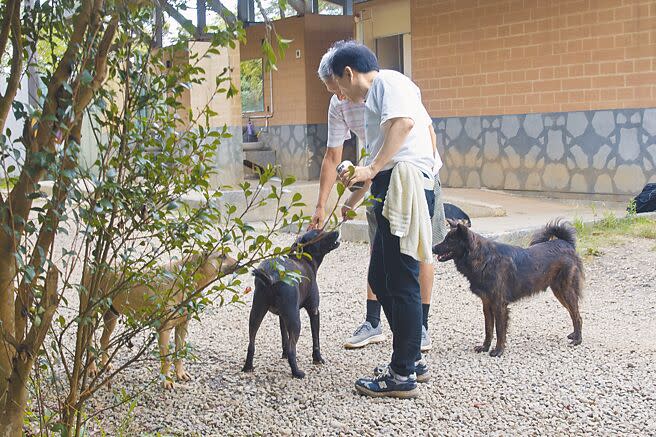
(139, 300)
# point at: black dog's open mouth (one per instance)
(445, 256)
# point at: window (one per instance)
(252, 85)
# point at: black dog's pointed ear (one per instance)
(452, 223)
(462, 229)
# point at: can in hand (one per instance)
(344, 166)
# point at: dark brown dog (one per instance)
(500, 273)
(285, 297)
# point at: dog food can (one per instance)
(344, 167)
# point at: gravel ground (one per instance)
(606, 386)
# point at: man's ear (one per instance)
(348, 73)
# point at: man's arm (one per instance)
(433, 139)
(327, 178)
(396, 131)
(395, 135)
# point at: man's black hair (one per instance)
(355, 55)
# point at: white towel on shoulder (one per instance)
(407, 211)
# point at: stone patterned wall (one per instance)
(299, 148)
(601, 152)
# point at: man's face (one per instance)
(349, 85)
(333, 88)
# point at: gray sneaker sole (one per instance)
(373, 339)
(404, 394)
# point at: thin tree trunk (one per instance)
(7, 318)
(16, 63)
(11, 21)
(12, 409)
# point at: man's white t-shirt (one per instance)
(394, 95)
(343, 117)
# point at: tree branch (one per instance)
(46, 237)
(188, 25)
(5, 25)
(224, 12)
(87, 92)
(19, 198)
(298, 6)
(49, 302)
(16, 63)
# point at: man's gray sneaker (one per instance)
(426, 343)
(364, 335)
(421, 370)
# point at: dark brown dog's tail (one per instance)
(557, 229)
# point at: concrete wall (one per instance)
(601, 152)
(380, 18)
(229, 156)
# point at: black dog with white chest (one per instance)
(285, 298)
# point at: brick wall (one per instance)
(299, 97)
(499, 57)
(288, 91)
(321, 31)
(298, 130)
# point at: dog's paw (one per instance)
(481, 348)
(496, 352)
(298, 374)
(92, 371)
(576, 339)
(167, 384)
(182, 375)
(318, 361)
(283, 355)
(247, 368)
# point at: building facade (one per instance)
(555, 95)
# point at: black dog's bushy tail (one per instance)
(263, 277)
(557, 229)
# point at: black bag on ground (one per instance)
(646, 200)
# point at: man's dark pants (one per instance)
(394, 279)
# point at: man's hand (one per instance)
(318, 218)
(359, 174)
